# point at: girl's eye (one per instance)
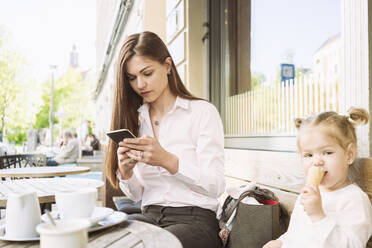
(308, 155)
(328, 153)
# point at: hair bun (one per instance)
(358, 116)
(298, 122)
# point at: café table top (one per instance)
(45, 187)
(49, 171)
(129, 234)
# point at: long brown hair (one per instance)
(126, 100)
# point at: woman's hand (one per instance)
(273, 244)
(148, 150)
(125, 163)
(312, 202)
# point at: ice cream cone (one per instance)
(314, 175)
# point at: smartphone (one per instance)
(118, 135)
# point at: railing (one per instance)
(272, 109)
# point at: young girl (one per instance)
(337, 213)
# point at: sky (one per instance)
(299, 25)
(44, 31)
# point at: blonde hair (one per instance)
(343, 125)
(342, 128)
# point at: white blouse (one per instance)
(193, 131)
(348, 222)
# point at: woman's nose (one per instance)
(140, 83)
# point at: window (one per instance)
(278, 61)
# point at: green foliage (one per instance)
(19, 98)
(257, 79)
(18, 136)
(42, 117)
(25, 102)
(72, 95)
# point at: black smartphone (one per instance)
(118, 135)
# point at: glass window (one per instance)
(280, 60)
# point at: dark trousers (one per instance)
(194, 226)
(52, 163)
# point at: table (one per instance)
(43, 171)
(129, 234)
(44, 187)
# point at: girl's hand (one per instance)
(125, 163)
(148, 150)
(273, 244)
(312, 202)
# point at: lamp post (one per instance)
(61, 114)
(51, 110)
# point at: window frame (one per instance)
(282, 142)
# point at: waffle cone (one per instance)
(314, 175)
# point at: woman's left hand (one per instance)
(148, 150)
(312, 202)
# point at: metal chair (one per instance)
(22, 160)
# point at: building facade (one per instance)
(210, 42)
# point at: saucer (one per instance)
(5, 238)
(114, 219)
(111, 220)
(99, 213)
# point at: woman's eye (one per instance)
(147, 74)
(131, 78)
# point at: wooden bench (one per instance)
(280, 172)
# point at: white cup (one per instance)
(66, 233)
(76, 204)
(22, 215)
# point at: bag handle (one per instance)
(235, 204)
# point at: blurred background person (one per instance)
(91, 144)
(69, 152)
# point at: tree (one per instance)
(18, 91)
(73, 94)
(10, 61)
(257, 79)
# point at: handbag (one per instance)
(246, 225)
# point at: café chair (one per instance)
(22, 160)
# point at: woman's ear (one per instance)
(351, 153)
(168, 62)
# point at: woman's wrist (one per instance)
(171, 163)
(126, 174)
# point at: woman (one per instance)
(176, 167)
(91, 144)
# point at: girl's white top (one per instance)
(348, 222)
(193, 131)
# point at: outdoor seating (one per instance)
(126, 205)
(280, 173)
(22, 160)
